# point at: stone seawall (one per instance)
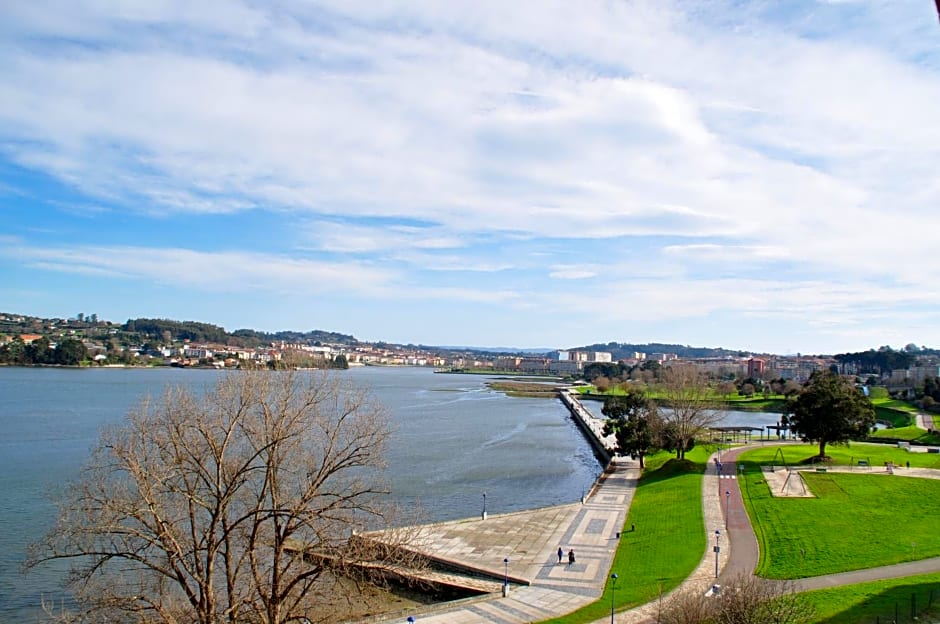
(593, 428)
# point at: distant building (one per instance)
(535, 365)
(755, 368)
(565, 367)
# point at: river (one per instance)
(454, 440)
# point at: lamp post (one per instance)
(717, 550)
(613, 588)
(727, 506)
(484, 505)
(506, 578)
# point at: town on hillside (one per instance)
(88, 340)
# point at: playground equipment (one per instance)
(786, 484)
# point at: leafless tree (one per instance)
(687, 606)
(743, 600)
(686, 394)
(236, 506)
(753, 600)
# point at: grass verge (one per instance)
(669, 539)
(878, 601)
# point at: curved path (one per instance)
(724, 511)
(542, 588)
(745, 552)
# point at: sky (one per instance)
(756, 175)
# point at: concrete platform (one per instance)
(540, 587)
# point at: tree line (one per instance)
(167, 330)
(67, 352)
(828, 409)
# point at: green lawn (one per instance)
(669, 539)
(868, 603)
(843, 455)
(902, 406)
(858, 520)
(910, 434)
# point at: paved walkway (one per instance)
(543, 588)
(530, 541)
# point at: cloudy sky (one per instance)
(759, 175)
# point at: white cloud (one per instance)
(674, 148)
(209, 271)
(572, 272)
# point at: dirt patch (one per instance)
(525, 388)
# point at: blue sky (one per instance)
(755, 175)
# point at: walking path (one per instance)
(542, 587)
(530, 540)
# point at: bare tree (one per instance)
(753, 600)
(237, 506)
(743, 600)
(685, 392)
(687, 606)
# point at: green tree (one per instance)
(634, 421)
(38, 352)
(12, 352)
(70, 352)
(831, 410)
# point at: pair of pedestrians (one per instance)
(570, 555)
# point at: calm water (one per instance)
(454, 440)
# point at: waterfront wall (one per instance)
(593, 428)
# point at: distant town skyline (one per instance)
(756, 176)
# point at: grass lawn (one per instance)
(911, 434)
(857, 521)
(843, 455)
(887, 402)
(868, 603)
(669, 539)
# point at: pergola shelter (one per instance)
(735, 434)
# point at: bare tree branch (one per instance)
(236, 506)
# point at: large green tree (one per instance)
(70, 351)
(831, 410)
(634, 421)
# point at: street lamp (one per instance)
(717, 550)
(727, 506)
(613, 588)
(506, 578)
(484, 504)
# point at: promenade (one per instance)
(541, 587)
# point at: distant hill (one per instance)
(623, 350)
(194, 331)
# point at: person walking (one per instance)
(560, 554)
(571, 557)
